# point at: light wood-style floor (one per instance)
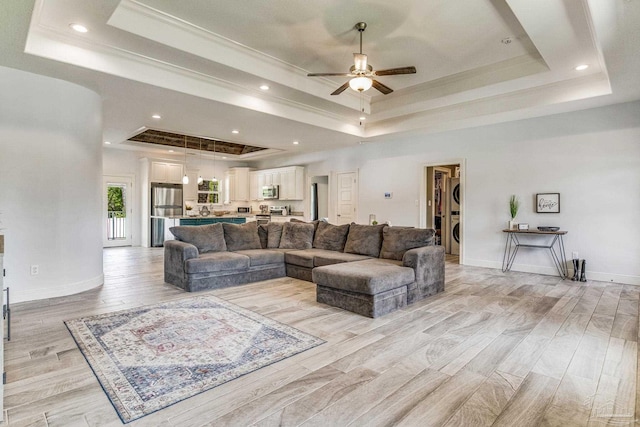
(496, 349)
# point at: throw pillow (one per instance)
(274, 234)
(396, 241)
(262, 235)
(241, 237)
(314, 222)
(331, 237)
(296, 235)
(207, 238)
(364, 239)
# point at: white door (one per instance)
(116, 229)
(346, 205)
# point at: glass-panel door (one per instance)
(117, 211)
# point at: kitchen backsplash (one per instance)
(292, 206)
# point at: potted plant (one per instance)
(514, 205)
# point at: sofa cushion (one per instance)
(216, 261)
(336, 257)
(296, 235)
(240, 237)
(262, 256)
(262, 235)
(397, 241)
(331, 237)
(364, 239)
(207, 238)
(274, 234)
(305, 258)
(369, 277)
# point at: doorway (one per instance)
(116, 217)
(319, 197)
(443, 206)
(347, 197)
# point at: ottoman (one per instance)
(371, 287)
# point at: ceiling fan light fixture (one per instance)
(360, 62)
(360, 84)
(185, 178)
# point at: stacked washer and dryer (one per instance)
(454, 209)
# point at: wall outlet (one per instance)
(574, 255)
(35, 269)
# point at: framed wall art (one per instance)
(548, 203)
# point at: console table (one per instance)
(555, 247)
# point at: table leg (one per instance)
(510, 250)
(563, 257)
(507, 252)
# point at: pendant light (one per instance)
(185, 178)
(200, 180)
(214, 179)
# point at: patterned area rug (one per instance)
(151, 357)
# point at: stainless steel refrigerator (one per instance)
(166, 201)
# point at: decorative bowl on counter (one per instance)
(220, 213)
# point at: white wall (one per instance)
(591, 157)
(50, 181)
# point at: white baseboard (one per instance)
(552, 271)
(21, 295)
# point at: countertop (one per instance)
(203, 217)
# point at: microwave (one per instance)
(244, 209)
(270, 192)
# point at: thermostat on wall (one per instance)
(388, 195)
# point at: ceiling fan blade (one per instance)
(341, 89)
(386, 90)
(395, 71)
(328, 74)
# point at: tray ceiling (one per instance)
(201, 62)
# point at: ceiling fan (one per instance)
(363, 74)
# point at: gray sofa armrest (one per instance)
(175, 254)
(428, 263)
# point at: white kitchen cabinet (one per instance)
(289, 179)
(255, 186)
(166, 172)
(271, 177)
(292, 183)
(237, 182)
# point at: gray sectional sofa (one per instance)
(368, 269)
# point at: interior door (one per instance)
(347, 194)
(117, 211)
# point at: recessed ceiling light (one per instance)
(264, 87)
(108, 142)
(171, 151)
(79, 28)
(296, 142)
(582, 67)
(156, 116)
(224, 158)
(363, 118)
(235, 131)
